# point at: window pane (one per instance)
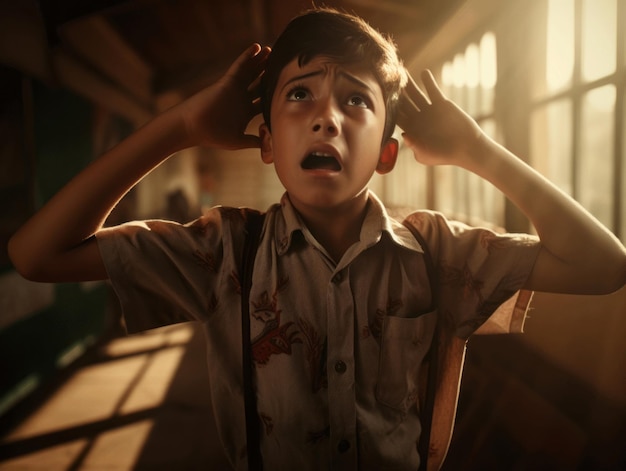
(595, 165)
(493, 200)
(551, 143)
(599, 38)
(406, 186)
(458, 80)
(472, 74)
(471, 198)
(444, 189)
(476, 200)
(461, 203)
(488, 71)
(446, 79)
(560, 44)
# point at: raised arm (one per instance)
(578, 254)
(58, 244)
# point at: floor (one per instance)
(139, 402)
(142, 403)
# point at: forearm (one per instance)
(79, 209)
(57, 243)
(579, 254)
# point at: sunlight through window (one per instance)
(472, 77)
(446, 77)
(599, 38)
(469, 79)
(579, 154)
(488, 62)
(551, 141)
(560, 44)
(488, 71)
(595, 165)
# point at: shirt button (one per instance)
(343, 446)
(340, 367)
(337, 278)
(283, 243)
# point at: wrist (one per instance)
(172, 131)
(482, 152)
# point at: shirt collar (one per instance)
(376, 223)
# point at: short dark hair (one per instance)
(341, 36)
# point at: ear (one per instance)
(388, 156)
(266, 144)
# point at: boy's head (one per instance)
(341, 37)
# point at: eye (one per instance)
(298, 94)
(358, 100)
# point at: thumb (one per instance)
(409, 141)
(416, 148)
(248, 65)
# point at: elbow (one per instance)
(615, 275)
(23, 260)
(600, 275)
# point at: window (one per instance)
(576, 106)
(469, 79)
(562, 67)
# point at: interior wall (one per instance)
(44, 326)
(244, 180)
(583, 335)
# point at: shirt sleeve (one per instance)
(164, 272)
(479, 272)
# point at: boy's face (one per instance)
(327, 126)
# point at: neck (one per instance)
(336, 229)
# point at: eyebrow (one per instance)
(342, 73)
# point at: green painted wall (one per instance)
(35, 347)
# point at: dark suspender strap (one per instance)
(429, 400)
(253, 226)
(430, 266)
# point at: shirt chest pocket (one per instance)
(404, 343)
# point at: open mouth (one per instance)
(321, 161)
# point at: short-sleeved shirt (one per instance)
(336, 347)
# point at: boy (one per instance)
(340, 307)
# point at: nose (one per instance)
(327, 118)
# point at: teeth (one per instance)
(321, 160)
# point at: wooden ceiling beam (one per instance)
(75, 76)
(23, 41)
(183, 31)
(464, 21)
(204, 13)
(97, 43)
(258, 21)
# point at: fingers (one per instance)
(430, 84)
(407, 111)
(249, 65)
(256, 83)
(414, 94)
(246, 72)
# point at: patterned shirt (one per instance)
(336, 347)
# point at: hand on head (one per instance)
(435, 128)
(219, 115)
